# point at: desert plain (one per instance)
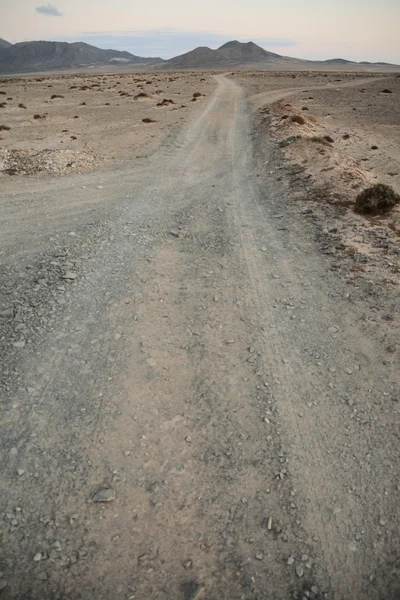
(199, 336)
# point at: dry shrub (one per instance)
(148, 120)
(298, 119)
(4, 128)
(318, 139)
(379, 198)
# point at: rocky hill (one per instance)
(42, 56)
(230, 54)
(4, 44)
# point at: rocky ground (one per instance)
(199, 390)
(72, 123)
(341, 136)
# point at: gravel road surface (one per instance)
(193, 405)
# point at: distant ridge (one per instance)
(41, 56)
(38, 56)
(4, 44)
(339, 61)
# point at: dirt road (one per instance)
(176, 343)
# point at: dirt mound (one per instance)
(52, 162)
(309, 143)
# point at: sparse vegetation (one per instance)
(21, 105)
(141, 96)
(379, 198)
(165, 102)
(298, 119)
(319, 139)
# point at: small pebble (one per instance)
(299, 571)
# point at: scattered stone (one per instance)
(20, 472)
(299, 571)
(69, 275)
(290, 560)
(174, 233)
(104, 495)
(19, 344)
(187, 564)
(190, 590)
(57, 546)
(3, 584)
(259, 556)
(304, 557)
(37, 557)
(42, 576)
(127, 452)
(315, 589)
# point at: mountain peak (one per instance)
(4, 44)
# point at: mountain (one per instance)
(230, 54)
(202, 57)
(247, 52)
(339, 61)
(42, 56)
(4, 44)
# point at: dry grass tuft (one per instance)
(298, 119)
(379, 198)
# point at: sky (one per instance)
(311, 29)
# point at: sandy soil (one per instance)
(348, 138)
(199, 391)
(95, 122)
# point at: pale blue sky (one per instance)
(354, 29)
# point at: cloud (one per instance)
(49, 9)
(167, 42)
